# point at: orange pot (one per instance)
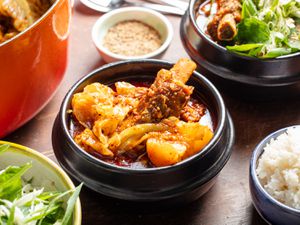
(32, 65)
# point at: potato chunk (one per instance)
(162, 153)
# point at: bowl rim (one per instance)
(67, 99)
(258, 151)
(77, 214)
(223, 49)
(36, 23)
(103, 19)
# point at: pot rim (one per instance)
(35, 24)
(218, 131)
(223, 49)
(258, 151)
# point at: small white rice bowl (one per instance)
(278, 168)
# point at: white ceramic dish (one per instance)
(44, 172)
(147, 16)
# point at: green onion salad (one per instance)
(268, 29)
(22, 204)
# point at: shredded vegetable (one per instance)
(23, 204)
(268, 29)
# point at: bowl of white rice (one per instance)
(275, 177)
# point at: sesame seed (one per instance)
(132, 38)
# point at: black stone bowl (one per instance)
(246, 77)
(183, 182)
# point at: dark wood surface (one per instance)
(228, 202)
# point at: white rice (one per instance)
(279, 168)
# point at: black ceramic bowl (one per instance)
(243, 76)
(183, 182)
(273, 211)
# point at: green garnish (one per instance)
(3, 148)
(268, 29)
(23, 205)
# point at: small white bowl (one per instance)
(147, 16)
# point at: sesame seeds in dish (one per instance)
(132, 38)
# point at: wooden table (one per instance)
(228, 202)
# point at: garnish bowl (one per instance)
(242, 76)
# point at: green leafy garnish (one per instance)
(3, 148)
(248, 9)
(22, 204)
(71, 203)
(275, 52)
(10, 181)
(246, 49)
(268, 29)
(252, 30)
